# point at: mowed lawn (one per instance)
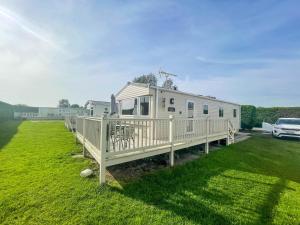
(253, 182)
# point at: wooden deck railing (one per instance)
(70, 122)
(116, 140)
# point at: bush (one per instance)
(6, 111)
(271, 115)
(253, 117)
(248, 114)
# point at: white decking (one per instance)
(114, 141)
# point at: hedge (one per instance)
(271, 115)
(6, 111)
(248, 114)
(253, 117)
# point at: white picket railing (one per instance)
(70, 122)
(107, 138)
(125, 135)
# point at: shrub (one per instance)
(6, 111)
(248, 114)
(270, 115)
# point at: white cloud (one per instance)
(277, 85)
(26, 26)
(242, 61)
(83, 50)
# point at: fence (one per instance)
(112, 141)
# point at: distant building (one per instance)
(51, 113)
(54, 112)
(97, 108)
(25, 115)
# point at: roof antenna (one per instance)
(165, 74)
(168, 81)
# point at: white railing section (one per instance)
(218, 126)
(79, 125)
(185, 129)
(125, 135)
(70, 122)
(115, 138)
(92, 131)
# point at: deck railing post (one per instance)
(207, 134)
(83, 138)
(76, 119)
(171, 124)
(228, 133)
(102, 149)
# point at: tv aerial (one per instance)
(168, 81)
(166, 74)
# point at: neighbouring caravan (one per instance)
(137, 100)
(97, 108)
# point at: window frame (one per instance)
(234, 113)
(204, 110)
(187, 109)
(138, 109)
(221, 112)
(139, 105)
(190, 120)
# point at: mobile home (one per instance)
(97, 108)
(152, 121)
(144, 101)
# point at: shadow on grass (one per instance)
(7, 130)
(272, 200)
(181, 192)
(195, 191)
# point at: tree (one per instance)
(75, 106)
(63, 103)
(248, 114)
(146, 79)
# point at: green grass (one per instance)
(253, 182)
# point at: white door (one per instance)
(190, 115)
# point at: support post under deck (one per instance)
(171, 124)
(228, 134)
(102, 149)
(84, 151)
(207, 133)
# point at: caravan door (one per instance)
(190, 106)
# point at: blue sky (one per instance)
(242, 51)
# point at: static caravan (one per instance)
(153, 121)
(145, 101)
(60, 113)
(97, 108)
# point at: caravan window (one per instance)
(205, 109)
(221, 112)
(234, 113)
(190, 107)
(144, 106)
(129, 106)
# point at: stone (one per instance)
(86, 173)
(77, 156)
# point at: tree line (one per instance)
(252, 116)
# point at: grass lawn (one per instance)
(253, 182)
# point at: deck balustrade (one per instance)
(117, 140)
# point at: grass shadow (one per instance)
(7, 130)
(181, 192)
(272, 200)
(200, 190)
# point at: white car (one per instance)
(287, 127)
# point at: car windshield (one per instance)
(289, 121)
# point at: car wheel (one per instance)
(273, 135)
